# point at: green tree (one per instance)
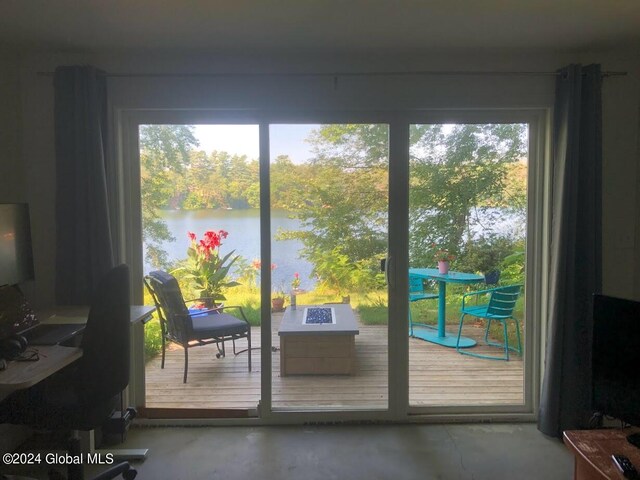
(460, 174)
(344, 205)
(164, 158)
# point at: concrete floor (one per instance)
(475, 451)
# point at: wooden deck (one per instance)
(438, 376)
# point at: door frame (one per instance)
(126, 161)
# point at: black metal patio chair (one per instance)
(193, 328)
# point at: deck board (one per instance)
(437, 376)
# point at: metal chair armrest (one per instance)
(218, 309)
(199, 299)
(480, 292)
(477, 293)
(239, 308)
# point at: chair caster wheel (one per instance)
(130, 474)
(218, 355)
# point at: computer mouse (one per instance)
(634, 439)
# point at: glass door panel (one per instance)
(329, 204)
(197, 179)
(467, 233)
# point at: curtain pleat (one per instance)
(84, 251)
(576, 249)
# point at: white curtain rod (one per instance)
(349, 74)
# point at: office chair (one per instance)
(85, 394)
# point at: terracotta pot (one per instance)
(277, 304)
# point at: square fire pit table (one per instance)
(318, 340)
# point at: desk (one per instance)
(53, 358)
(140, 314)
(79, 314)
(20, 375)
(440, 337)
(592, 450)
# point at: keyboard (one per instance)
(52, 334)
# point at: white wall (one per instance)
(620, 112)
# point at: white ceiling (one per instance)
(318, 24)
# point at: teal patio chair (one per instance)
(502, 301)
(417, 292)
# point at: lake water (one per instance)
(244, 237)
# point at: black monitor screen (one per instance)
(16, 258)
(616, 358)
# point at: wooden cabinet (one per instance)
(592, 450)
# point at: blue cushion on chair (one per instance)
(216, 324)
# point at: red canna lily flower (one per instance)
(205, 262)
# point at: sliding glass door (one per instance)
(469, 323)
(307, 212)
(329, 203)
(199, 190)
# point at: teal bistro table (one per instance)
(440, 336)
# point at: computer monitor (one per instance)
(616, 358)
(16, 256)
(16, 266)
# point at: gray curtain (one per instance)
(84, 250)
(576, 249)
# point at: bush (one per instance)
(486, 254)
(152, 338)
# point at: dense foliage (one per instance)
(464, 178)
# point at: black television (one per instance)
(616, 358)
(16, 257)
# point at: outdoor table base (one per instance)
(430, 334)
(440, 336)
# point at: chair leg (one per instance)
(486, 331)
(186, 363)
(481, 355)
(517, 324)
(505, 344)
(164, 346)
(459, 333)
(410, 321)
(506, 341)
(249, 347)
(75, 471)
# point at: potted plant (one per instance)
(443, 257)
(277, 299)
(206, 269)
(295, 283)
